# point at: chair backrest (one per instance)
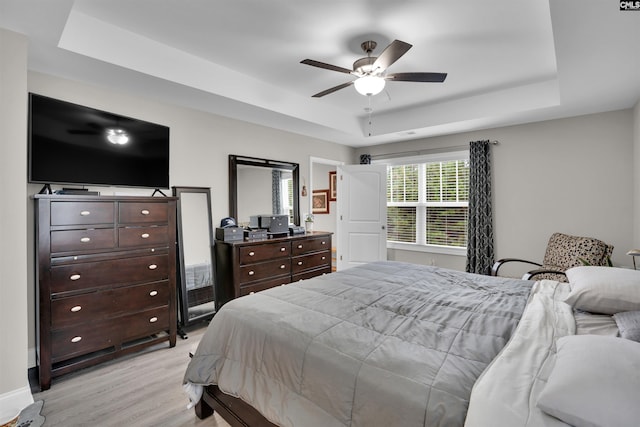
(565, 251)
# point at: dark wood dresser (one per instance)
(106, 274)
(244, 267)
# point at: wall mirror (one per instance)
(261, 186)
(196, 291)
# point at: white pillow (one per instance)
(607, 290)
(595, 382)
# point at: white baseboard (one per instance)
(16, 399)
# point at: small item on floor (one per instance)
(8, 419)
(30, 416)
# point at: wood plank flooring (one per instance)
(144, 389)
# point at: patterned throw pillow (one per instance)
(574, 251)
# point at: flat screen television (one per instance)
(74, 144)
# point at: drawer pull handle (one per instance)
(153, 293)
(283, 249)
(324, 243)
(282, 267)
(324, 257)
(252, 253)
(153, 320)
(153, 267)
(85, 213)
(299, 262)
(76, 308)
(145, 235)
(145, 212)
(299, 246)
(76, 339)
(74, 277)
(251, 293)
(85, 239)
(251, 273)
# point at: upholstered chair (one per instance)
(563, 252)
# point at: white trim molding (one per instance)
(16, 400)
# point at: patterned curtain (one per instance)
(276, 192)
(480, 253)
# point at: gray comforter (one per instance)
(385, 344)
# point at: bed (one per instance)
(388, 344)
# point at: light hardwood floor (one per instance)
(144, 389)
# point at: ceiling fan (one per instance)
(370, 70)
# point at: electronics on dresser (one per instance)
(296, 230)
(74, 144)
(256, 234)
(229, 234)
(254, 222)
(77, 192)
(273, 223)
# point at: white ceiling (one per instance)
(508, 62)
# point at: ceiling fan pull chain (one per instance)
(369, 109)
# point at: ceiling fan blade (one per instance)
(417, 77)
(326, 66)
(333, 89)
(390, 54)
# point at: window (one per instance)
(286, 191)
(428, 202)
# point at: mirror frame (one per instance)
(235, 160)
(183, 303)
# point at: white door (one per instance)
(362, 214)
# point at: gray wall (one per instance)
(14, 293)
(324, 222)
(636, 176)
(572, 175)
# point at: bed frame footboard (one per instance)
(234, 411)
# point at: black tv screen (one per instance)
(73, 144)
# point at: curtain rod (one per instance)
(426, 151)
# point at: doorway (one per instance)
(320, 175)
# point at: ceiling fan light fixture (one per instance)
(369, 85)
(117, 136)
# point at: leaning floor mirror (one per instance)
(196, 292)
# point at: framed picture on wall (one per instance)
(333, 181)
(320, 200)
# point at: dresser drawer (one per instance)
(96, 306)
(142, 324)
(90, 275)
(93, 336)
(265, 270)
(130, 237)
(311, 273)
(311, 245)
(80, 309)
(307, 262)
(142, 297)
(143, 212)
(81, 339)
(82, 213)
(265, 284)
(257, 253)
(82, 240)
